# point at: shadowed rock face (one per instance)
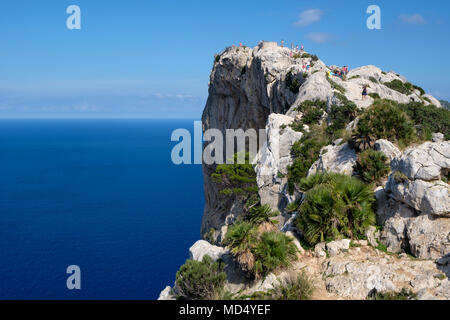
(245, 87)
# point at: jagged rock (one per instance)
(316, 87)
(394, 216)
(167, 294)
(320, 250)
(416, 208)
(427, 197)
(374, 79)
(388, 148)
(291, 235)
(336, 247)
(274, 158)
(372, 236)
(335, 158)
(246, 85)
(202, 248)
(359, 272)
(429, 237)
(434, 101)
(427, 162)
(438, 137)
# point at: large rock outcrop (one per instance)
(246, 86)
(415, 210)
(273, 160)
(261, 89)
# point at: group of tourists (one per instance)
(294, 48)
(338, 72)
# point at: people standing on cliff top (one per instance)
(302, 48)
(364, 92)
(282, 43)
(296, 48)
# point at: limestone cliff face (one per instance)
(261, 88)
(246, 85)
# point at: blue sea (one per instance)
(100, 194)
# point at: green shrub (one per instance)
(260, 214)
(355, 77)
(404, 294)
(299, 288)
(236, 179)
(335, 86)
(384, 120)
(422, 92)
(337, 206)
(312, 56)
(400, 86)
(312, 113)
(216, 58)
(428, 119)
(340, 116)
(274, 250)
(201, 280)
(296, 56)
(241, 237)
(293, 83)
(373, 79)
(304, 153)
(427, 99)
(374, 95)
(372, 166)
(399, 177)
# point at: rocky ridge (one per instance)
(252, 89)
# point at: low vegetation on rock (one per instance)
(258, 246)
(371, 166)
(404, 294)
(304, 153)
(237, 179)
(428, 119)
(383, 120)
(336, 86)
(339, 117)
(203, 280)
(400, 86)
(335, 206)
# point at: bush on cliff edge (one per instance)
(336, 206)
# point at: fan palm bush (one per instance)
(335, 206)
(274, 250)
(261, 214)
(372, 166)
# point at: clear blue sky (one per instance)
(152, 58)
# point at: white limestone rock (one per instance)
(335, 158)
(202, 248)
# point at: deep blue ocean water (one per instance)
(100, 194)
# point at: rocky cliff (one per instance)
(265, 88)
